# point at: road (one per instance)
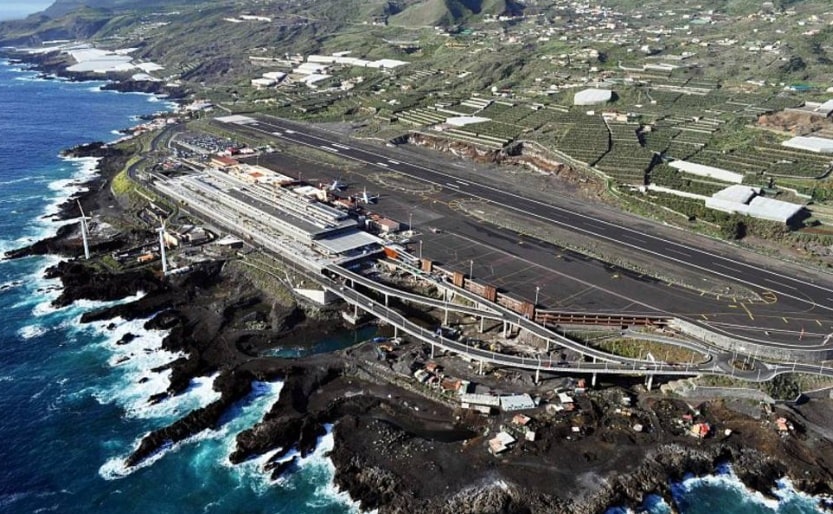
(720, 364)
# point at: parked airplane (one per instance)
(338, 185)
(367, 198)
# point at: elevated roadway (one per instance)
(758, 371)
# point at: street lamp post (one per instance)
(471, 269)
(420, 249)
(537, 291)
(411, 223)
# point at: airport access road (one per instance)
(811, 294)
(721, 364)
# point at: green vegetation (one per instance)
(699, 96)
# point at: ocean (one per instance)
(74, 402)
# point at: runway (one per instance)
(802, 314)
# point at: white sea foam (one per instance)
(31, 331)
(115, 468)
(18, 180)
(250, 410)
(726, 479)
(137, 382)
(319, 464)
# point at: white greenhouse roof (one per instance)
(707, 171)
(592, 96)
(736, 194)
(773, 210)
(809, 143)
(460, 121)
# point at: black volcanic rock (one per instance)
(82, 282)
(233, 386)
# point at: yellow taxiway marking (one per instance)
(769, 297)
(748, 313)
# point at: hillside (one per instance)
(429, 13)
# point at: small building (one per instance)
(521, 420)
(222, 161)
(500, 443)
(516, 402)
(593, 96)
(700, 430)
(385, 225)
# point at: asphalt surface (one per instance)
(795, 310)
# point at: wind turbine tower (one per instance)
(162, 249)
(84, 232)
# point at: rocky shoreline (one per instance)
(395, 450)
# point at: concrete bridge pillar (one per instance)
(445, 320)
(356, 310)
(432, 350)
(386, 299)
(593, 380)
(538, 375)
(395, 331)
(481, 368)
(650, 382)
(482, 324)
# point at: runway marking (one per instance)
(463, 183)
(684, 254)
(393, 162)
(328, 148)
(455, 186)
(727, 267)
(733, 306)
(339, 145)
(748, 312)
(778, 283)
(818, 322)
(382, 164)
(704, 317)
(786, 320)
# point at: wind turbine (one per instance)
(161, 231)
(84, 232)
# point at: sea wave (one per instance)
(248, 411)
(319, 464)
(32, 331)
(787, 498)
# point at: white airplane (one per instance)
(366, 198)
(337, 185)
